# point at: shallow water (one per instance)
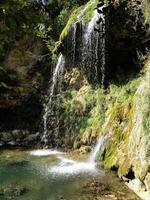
(37, 174)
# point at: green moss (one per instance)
(72, 19)
(119, 124)
(111, 156)
(124, 167)
(82, 112)
(88, 11)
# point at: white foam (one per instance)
(73, 169)
(67, 166)
(65, 161)
(44, 152)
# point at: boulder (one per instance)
(1, 144)
(20, 134)
(6, 137)
(85, 149)
(32, 138)
(12, 143)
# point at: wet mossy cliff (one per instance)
(120, 108)
(28, 31)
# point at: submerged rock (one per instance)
(12, 192)
(108, 187)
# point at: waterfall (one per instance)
(57, 75)
(68, 166)
(56, 81)
(103, 44)
(83, 47)
(91, 2)
(94, 42)
(90, 51)
(85, 44)
(100, 146)
(74, 42)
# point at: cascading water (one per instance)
(71, 167)
(100, 146)
(94, 48)
(85, 46)
(103, 44)
(85, 9)
(56, 81)
(89, 38)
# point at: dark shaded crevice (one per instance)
(23, 116)
(126, 31)
(130, 175)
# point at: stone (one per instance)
(138, 2)
(100, 4)
(20, 134)
(12, 143)
(85, 149)
(99, 10)
(6, 137)
(32, 137)
(11, 192)
(96, 29)
(1, 144)
(147, 181)
(105, 9)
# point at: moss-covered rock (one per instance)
(125, 120)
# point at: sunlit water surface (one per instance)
(47, 175)
(53, 175)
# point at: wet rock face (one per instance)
(121, 44)
(128, 150)
(84, 44)
(26, 115)
(18, 138)
(27, 66)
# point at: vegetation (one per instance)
(82, 112)
(25, 24)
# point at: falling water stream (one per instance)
(56, 81)
(68, 166)
(91, 42)
(87, 43)
(91, 2)
(92, 54)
